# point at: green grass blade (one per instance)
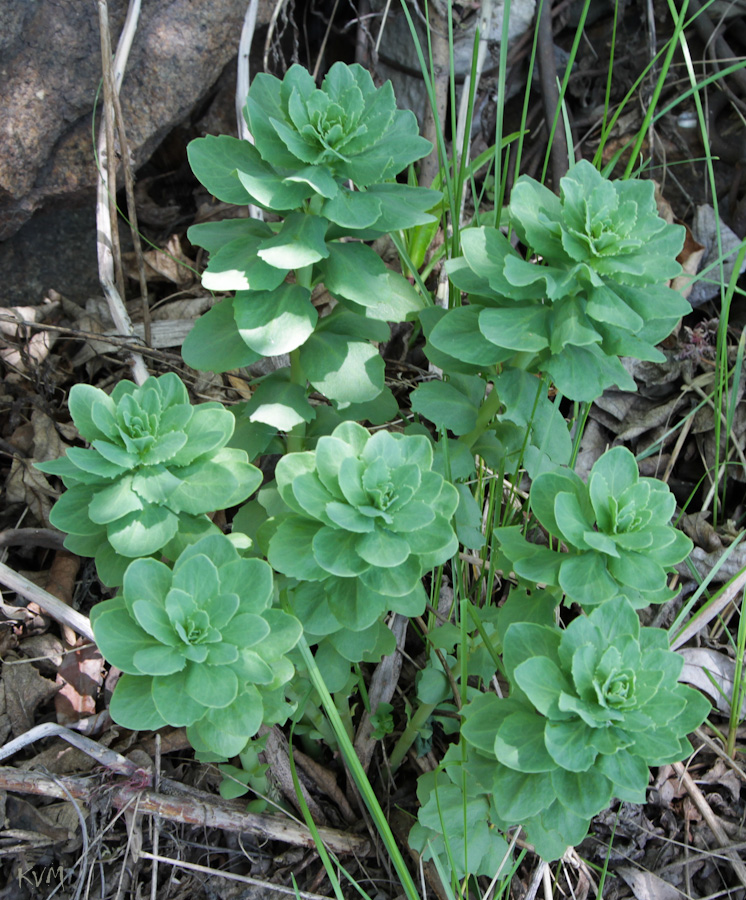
(358, 773)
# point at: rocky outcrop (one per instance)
(50, 69)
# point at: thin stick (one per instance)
(270, 886)
(129, 188)
(113, 72)
(50, 604)
(714, 825)
(190, 807)
(109, 158)
(243, 79)
(103, 755)
(705, 616)
(320, 57)
(243, 75)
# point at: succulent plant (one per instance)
(200, 645)
(590, 709)
(616, 528)
(155, 465)
(597, 290)
(363, 519)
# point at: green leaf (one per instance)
(525, 640)
(404, 206)
(240, 720)
(569, 745)
(215, 160)
(457, 334)
(144, 532)
(70, 512)
(574, 525)
(547, 487)
(443, 404)
(214, 235)
(343, 369)
(214, 343)
(212, 686)
(280, 403)
(159, 660)
(520, 795)
(334, 668)
(584, 793)
(300, 242)
(518, 328)
(584, 373)
(558, 828)
(268, 188)
(275, 322)
(118, 637)
(132, 704)
(383, 548)
(290, 550)
(543, 681)
(81, 402)
(482, 717)
(628, 774)
(173, 703)
(237, 267)
(353, 210)
(114, 501)
(519, 743)
(618, 469)
(355, 272)
(354, 646)
(337, 552)
(585, 579)
(353, 604)
(284, 633)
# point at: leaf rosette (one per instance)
(598, 293)
(590, 709)
(155, 465)
(200, 645)
(310, 142)
(362, 519)
(616, 528)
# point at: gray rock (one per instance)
(50, 69)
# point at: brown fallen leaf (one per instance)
(647, 885)
(80, 677)
(61, 584)
(690, 259)
(713, 673)
(25, 691)
(168, 264)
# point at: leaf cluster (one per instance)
(155, 465)
(590, 709)
(590, 289)
(616, 529)
(323, 159)
(199, 645)
(357, 523)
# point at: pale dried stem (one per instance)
(189, 807)
(129, 187)
(381, 690)
(243, 79)
(279, 6)
(698, 798)
(706, 615)
(103, 755)
(720, 752)
(105, 216)
(269, 886)
(50, 604)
